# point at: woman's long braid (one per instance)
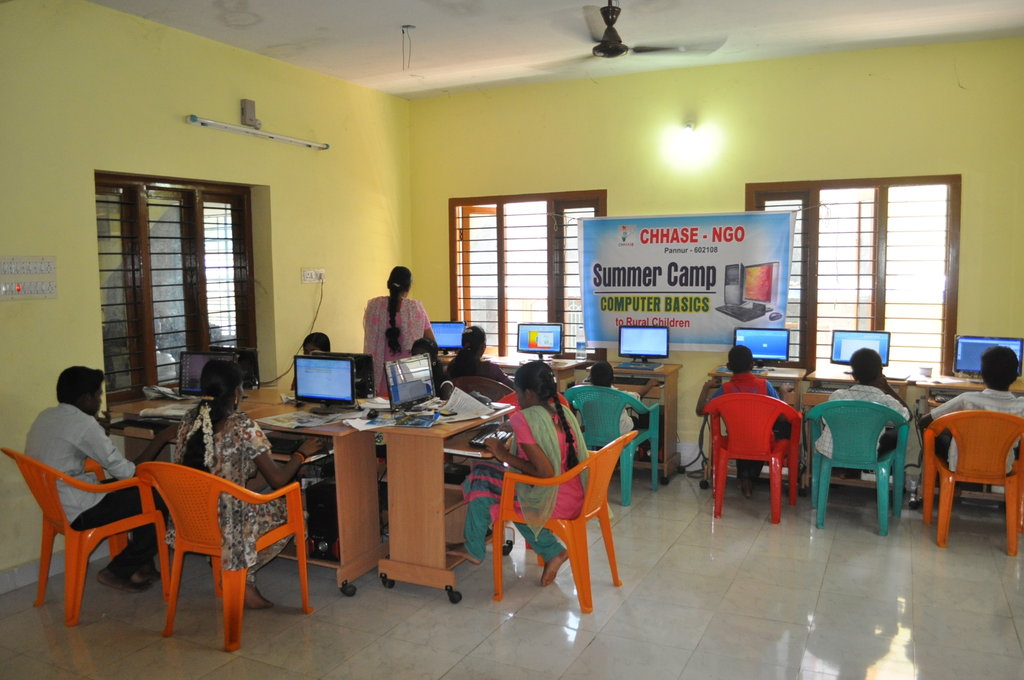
(549, 392)
(393, 332)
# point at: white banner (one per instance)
(699, 275)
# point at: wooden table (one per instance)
(423, 512)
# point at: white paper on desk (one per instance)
(376, 403)
(176, 410)
(465, 407)
(299, 419)
(940, 380)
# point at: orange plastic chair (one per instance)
(573, 532)
(748, 421)
(192, 497)
(983, 439)
(78, 545)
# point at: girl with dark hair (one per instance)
(469, 361)
(429, 347)
(392, 323)
(546, 441)
(316, 342)
(217, 438)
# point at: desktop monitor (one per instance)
(362, 364)
(845, 343)
(448, 334)
(410, 381)
(969, 348)
(190, 366)
(327, 379)
(761, 283)
(643, 342)
(540, 339)
(249, 361)
(766, 344)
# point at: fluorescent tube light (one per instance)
(252, 132)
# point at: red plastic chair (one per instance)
(192, 496)
(741, 427)
(983, 439)
(573, 532)
(78, 545)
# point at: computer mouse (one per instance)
(371, 414)
(774, 316)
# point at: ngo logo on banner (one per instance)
(701, 276)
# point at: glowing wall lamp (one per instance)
(686, 146)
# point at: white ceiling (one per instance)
(462, 45)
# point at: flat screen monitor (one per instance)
(249, 361)
(969, 348)
(540, 338)
(448, 334)
(410, 381)
(845, 343)
(761, 283)
(643, 342)
(362, 364)
(190, 366)
(327, 379)
(766, 344)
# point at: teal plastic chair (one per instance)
(599, 409)
(856, 427)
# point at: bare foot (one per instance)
(254, 600)
(459, 550)
(551, 568)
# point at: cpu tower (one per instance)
(322, 521)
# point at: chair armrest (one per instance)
(243, 494)
(100, 488)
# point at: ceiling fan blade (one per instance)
(689, 48)
(595, 24)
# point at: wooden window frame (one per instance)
(138, 267)
(756, 196)
(558, 203)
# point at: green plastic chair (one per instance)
(599, 409)
(856, 427)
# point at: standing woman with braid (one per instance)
(392, 323)
(546, 441)
(217, 438)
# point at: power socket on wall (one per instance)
(313, 275)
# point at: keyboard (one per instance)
(942, 396)
(486, 432)
(639, 365)
(742, 313)
(630, 380)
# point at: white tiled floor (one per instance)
(701, 598)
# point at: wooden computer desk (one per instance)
(423, 512)
(355, 463)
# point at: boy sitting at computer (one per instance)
(740, 364)
(998, 371)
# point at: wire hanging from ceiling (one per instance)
(407, 46)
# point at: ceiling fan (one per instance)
(609, 43)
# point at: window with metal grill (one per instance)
(516, 260)
(877, 254)
(174, 263)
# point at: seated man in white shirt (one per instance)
(998, 371)
(62, 437)
(866, 366)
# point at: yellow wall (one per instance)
(938, 109)
(83, 88)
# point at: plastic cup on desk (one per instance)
(925, 371)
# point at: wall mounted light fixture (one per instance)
(253, 132)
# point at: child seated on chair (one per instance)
(740, 364)
(602, 375)
(470, 359)
(546, 442)
(866, 365)
(998, 371)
